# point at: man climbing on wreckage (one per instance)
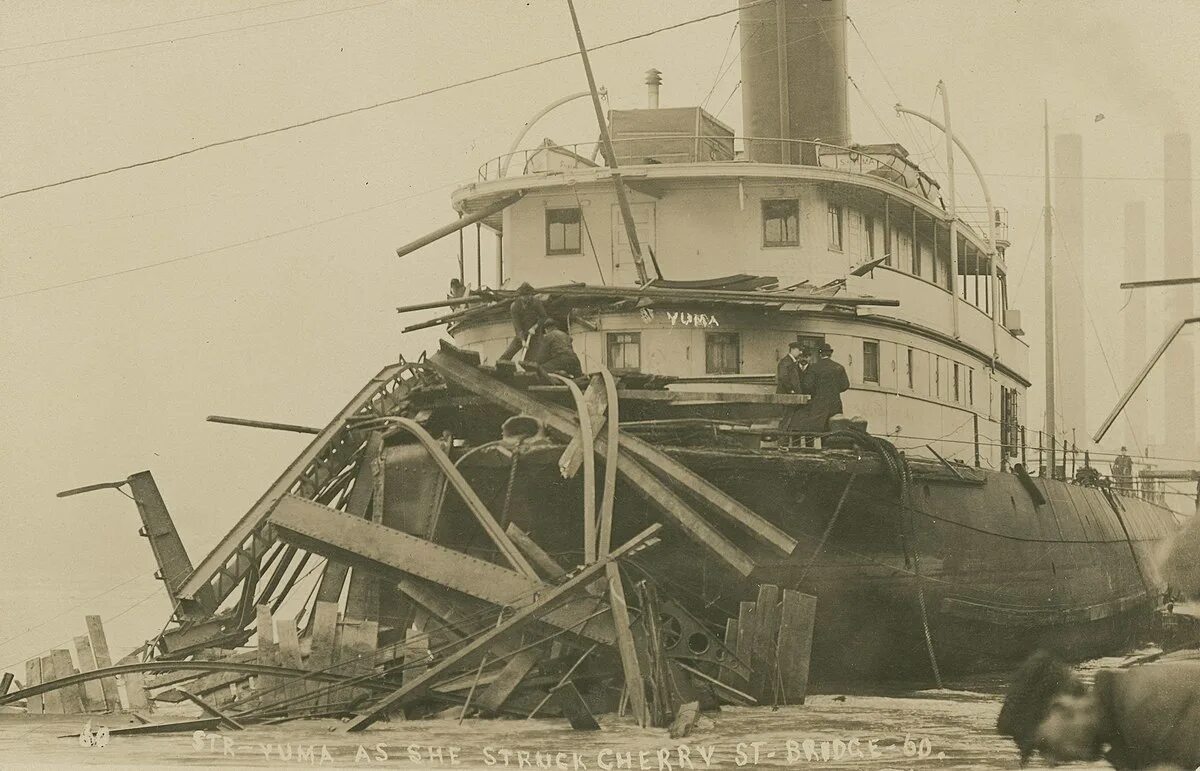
(1144, 717)
(528, 315)
(553, 353)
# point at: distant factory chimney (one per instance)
(1136, 413)
(653, 81)
(793, 77)
(1178, 260)
(1070, 270)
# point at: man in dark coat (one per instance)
(554, 352)
(1148, 715)
(787, 374)
(528, 315)
(824, 380)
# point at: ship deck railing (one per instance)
(706, 148)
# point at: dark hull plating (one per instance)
(1000, 575)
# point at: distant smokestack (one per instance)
(1070, 268)
(653, 81)
(1136, 412)
(793, 76)
(1180, 425)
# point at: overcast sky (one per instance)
(278, 299)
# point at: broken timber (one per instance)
(630, 464)
(553, 598)
(241, 549)
(390, 552)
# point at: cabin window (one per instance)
(870, 361)
(970, 386)
(835, 227)
(563, 231)
(722, 353)
(781, 222)
(624, 350)
(909, 368)
(869, 236)
(937, 377)
(957, 396)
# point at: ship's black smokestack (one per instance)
(793, 76)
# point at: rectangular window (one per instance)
(722, 353)
(957, 396)
(937, 377)
(624, 350)
(869, 236)
(781, 222)
(835, 227)
(970, 386)
(909, 368)
(870, 361)
(562, 231)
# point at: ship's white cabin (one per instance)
(917, 373)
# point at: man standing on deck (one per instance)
(528, 315)
(824, 380)
(1122, 471)
(787, 381)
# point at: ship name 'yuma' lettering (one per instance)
(678, 318)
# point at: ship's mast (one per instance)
(1049, 268)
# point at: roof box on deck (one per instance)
(669, 135)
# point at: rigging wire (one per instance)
(721, 67)
(148, 26)
(376, 105)
(192, 37)
(725, 104)
(214, 250)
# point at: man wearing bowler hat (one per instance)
(824, 380)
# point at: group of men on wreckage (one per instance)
(547, 345)
(812, 372)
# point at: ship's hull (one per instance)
(998, 575)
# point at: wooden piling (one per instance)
(796, 625)
(93, 693)
(324, 640)
(762, 644)
(33, 676)
(265, 627)
(72, 697)
(289, 656)
(103, 660)
(51, 700)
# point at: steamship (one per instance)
(795, 232)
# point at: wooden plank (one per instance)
(93, 693)
(288, 638)
(745, 632)
(632, 670)
(398, 556)
(356, 641)
(324, 640)
(226, 719)
(797, 622)
(265, 628)
(6, 683)
(135, 692)
(543, 562)
(484, 642)
(574, 708)
(73, 697)
(572, 457)
(589, 468)
(103, 660)
(762, 644)
(722, 397)
(52, 703)
(731, 637)
(514, 671)
(33, 676)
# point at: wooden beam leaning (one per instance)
(589, 468)
(396, 555)
(215, 569)
(460, 484)
(557, 420)
(551, 599)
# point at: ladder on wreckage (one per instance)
(325, 467)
